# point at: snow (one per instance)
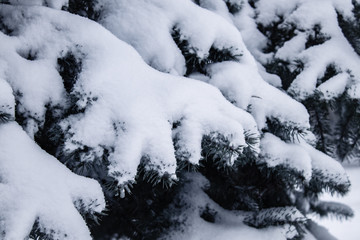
(346, 229)
(294, 46)
(36, 187)
(303, 158)
(133, 22)
(331, 170)
(254, 40)
(276, 152)
(216, 6)
(334, 87)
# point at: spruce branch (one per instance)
(274, 217)
(5, 117)
(278, 32)
(288, 131)
(234, 6)
(328, 182)
(86, 8)
(320, 111)
(217, 146)
(316, 37)
(287, 71)
(150, 173)
(332, 209)
(350, 27)
(185, 165)
(195, 63)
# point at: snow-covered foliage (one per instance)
(197, 50)
(195, 210)
(276, 152)
(238, 78)
(187, 95)
(276, 216)
(7, 102)
(36, 188)
(311, 50)
(132, 106)
(333, 208)
(310, 41)
(313, 47)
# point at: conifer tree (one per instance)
(196, 141)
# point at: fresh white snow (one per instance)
(276, 152)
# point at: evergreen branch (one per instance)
(234, 7)
(328, 209)
(321, 122)
(287, 71)
(85, 8)
(350, 127)
(354, 153)
(330, 71)
(195, 63)
(351, 27)
(288, 131)
(219, 147)
(278, 32)
(40, 233)
(141, 214)
(92, 217)
(283, 178)
(184, 165)
(324, 181)
(5, 117)
(151, 174)
(208, 214)
(274, 217)
(70, 67)
(251, 140)
(316, 37)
